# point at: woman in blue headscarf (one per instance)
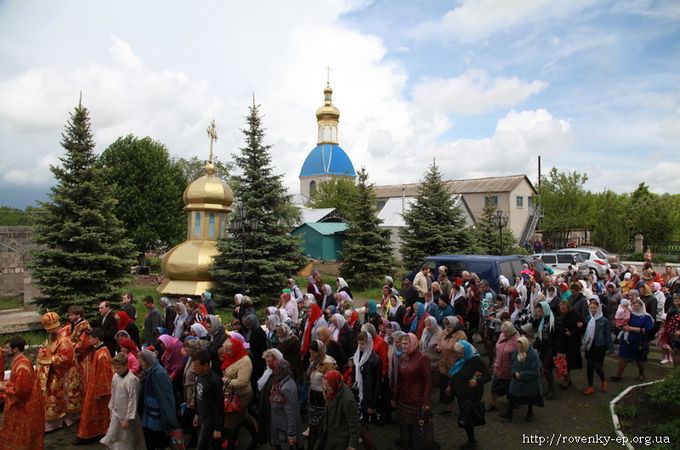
(415, 319)
(545, 344)
(467, 378)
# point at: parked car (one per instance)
(596, 260)
(612, 259)
(559, 262)
(487, 267)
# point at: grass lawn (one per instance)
(14, 302)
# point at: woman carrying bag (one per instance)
(237, 370)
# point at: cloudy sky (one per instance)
(485, 86)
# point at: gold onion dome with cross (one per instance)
(207, 200)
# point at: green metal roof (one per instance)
(326, 228)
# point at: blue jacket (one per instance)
(439, 313)
(603, 333)
(529, 383)
(158, 399)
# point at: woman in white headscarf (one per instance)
(597, 339)
(636, 346)
(180, 318)
(366, 376)
(343, 287)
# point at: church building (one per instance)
(327, 159)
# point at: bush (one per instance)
(666, 394)
(658, 258)
(670, 429)
(154, 264)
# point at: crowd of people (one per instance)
(188, 377)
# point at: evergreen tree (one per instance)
(84, 256)
(367, 250)
(271, 254)
(434, 223)
(486, 233)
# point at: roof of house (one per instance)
(391, 213)
(315, 214)
(325, 228)
(470, 186)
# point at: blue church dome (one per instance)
(327, 159)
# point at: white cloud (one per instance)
(38, 175)
(519, 138)
(474, 92)
(474, 20)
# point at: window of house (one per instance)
(491, 200)
(380, 204)
(519, 201)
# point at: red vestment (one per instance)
(24, 415)
(79, 333)
(52, 366)
(94, 420)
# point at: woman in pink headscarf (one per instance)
(172, 360)
(412, 399)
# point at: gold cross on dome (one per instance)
(212, 132)
(328, 76)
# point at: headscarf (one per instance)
(165, 301)
(172, 358)
(429, 335)
(372, 307)
(547, 313)
(287, 332)
(469, 352)
(455, 325)
(268, 371)
(413, 343)
(360, 358)
(129, 345)
(589, 335)
(353, 317)
(284, 315)
(215, 324)
(341, 283)
(508, 328)
(344, 296)
(314, 314)
(393, 306)
(522, 356)
(193, 346)
(334, 380)
(327, 289)
(420, 310)
(199, 330)
(340, 320)
(251, 323)
(123, 320)
(239, 336)
(396, 328)
(504, 281)
(148, 357)
(237, 349)
(643, 310)
(272, 321)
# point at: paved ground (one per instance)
(569, 414)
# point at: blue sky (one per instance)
(484, 86)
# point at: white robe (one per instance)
(123, 406)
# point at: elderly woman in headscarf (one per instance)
(452, 333)
(190, 348)
(333, 349)
(130, 350)
(394, 355)
(343, 334)
(637, 344)
(158, 415)
(341, 421)
(217, 338)
(366, 376)
(502, 365)
(180, 317)
(125, 323)
(597, 339)
(319, 364)
(412, 399)
(544, 329)
(286, 425)
(257, 339)
(428, 347)
(289, 345)
(272, 321)
(264, 387)
(237, 370)
(414, 321)
(328, 297)
(568, 340)
(172, 359)
(467, 379)
(525, 385)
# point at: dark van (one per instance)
(487, 267)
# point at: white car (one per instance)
(560, 262)
(595, 258)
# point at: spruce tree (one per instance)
(271, 253)
(84, 256)
(434, 223)
(486, 232)
(367, 249)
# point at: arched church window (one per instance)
(197, 225)
(211, 225)
(312, 188)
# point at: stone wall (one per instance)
(16, 244)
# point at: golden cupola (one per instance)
(207, 200)
(327, 118)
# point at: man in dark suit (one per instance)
(108, 326)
